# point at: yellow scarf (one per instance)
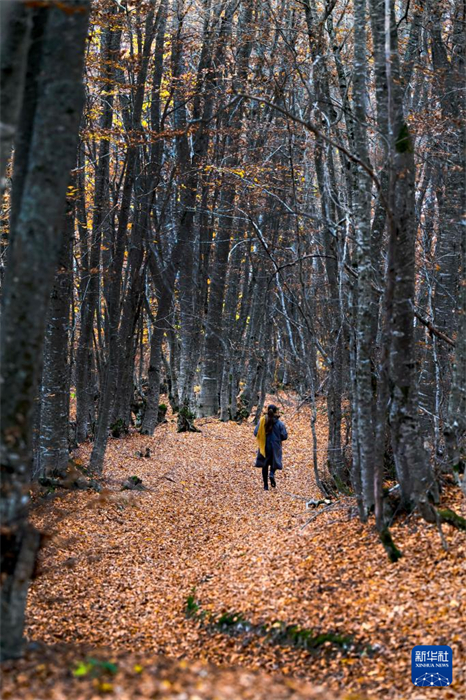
(261, 436)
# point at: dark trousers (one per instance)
(265, 470)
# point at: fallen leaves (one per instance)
(205, 523)
(157, 677)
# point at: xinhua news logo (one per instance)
(432, 665)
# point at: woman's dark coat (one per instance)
(273, 445)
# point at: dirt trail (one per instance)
(119, 567)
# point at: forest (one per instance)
(220, 216)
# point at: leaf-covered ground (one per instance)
(122, 569)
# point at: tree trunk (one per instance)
(55, 389)
(165, 282)
(455, 425)
(366, 309)
(411, 461)
(15, 33)
(31, 267)
(85, 390)
(121, 413)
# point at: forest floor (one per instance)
(205, 567)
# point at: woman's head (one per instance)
(272, 415)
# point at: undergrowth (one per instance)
(278, 632)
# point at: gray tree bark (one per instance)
(364, 398)
(55, 386)
(15, 29)
(29, 276)
(411, 461)
(455, 424)
(85, 390)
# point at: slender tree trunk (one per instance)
(231, 300)
(85, 389)
(121, 413)
(212, 366)
(366, 309)
(252, 342)
(55, 389)
(165, 281)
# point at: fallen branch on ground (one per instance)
(316, 515)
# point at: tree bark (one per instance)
(366, 308)
(29, 276)
(411, 461)
(85, 391)
(55, 388)
(15, 33)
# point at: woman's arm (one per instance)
(283, 432)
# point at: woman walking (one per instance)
(270, 433)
